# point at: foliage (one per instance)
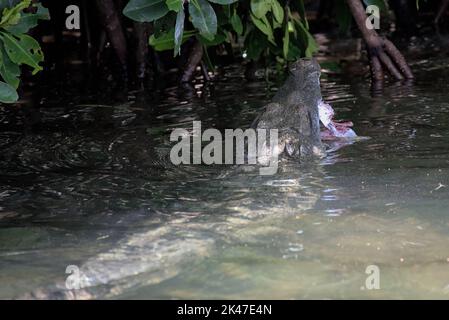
(16, 47)
(266, 27)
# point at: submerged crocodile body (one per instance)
(165, 250)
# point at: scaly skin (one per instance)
(294, 112)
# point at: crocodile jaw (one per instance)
(333, 129)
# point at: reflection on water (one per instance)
(87, 183)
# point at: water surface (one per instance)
(83, 181)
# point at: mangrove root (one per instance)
(114, 30)
(195, 56)
(441, 11)
(383, 54)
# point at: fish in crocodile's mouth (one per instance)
(333, 129)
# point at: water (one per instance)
(83, 181)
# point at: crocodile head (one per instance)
(306, 97)
(306, 72)
(303, 84)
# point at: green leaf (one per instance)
(164, 24)
(294, 53)
(9, 71)
(302, 13)
(260, 7)
(223, 1)
(30, 20)
(174, 5)
(166, 41)
(236, 23)
(264, 26)
(312, 46)
(11, 16)
(179, 30)
(291, 27)
(203, 18)
(23, 49)
(145, 10)
(278, 11)
(276, 24)
(286, 41)
(255, 43)
(7, 93)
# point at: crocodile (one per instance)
(296, 111)
(160, 253)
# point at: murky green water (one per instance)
(86, 185)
